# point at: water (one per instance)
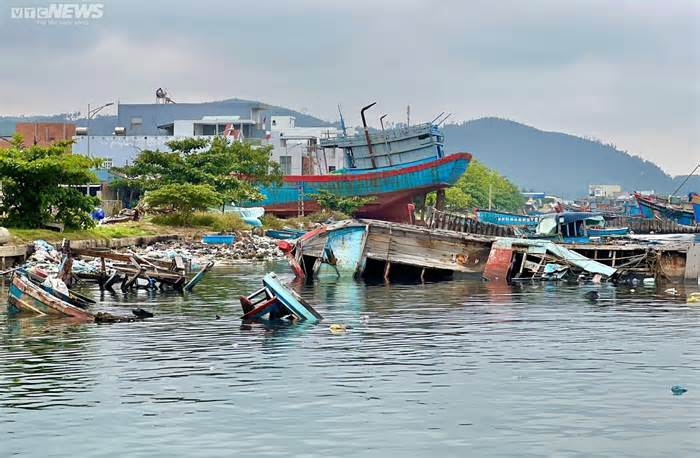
(459, 368)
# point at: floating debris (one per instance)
(336, 328)
(677, 390)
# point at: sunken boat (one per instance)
(28, 295)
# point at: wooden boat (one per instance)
(393, 166)
(25, 295)
(377, 249)
(284, 234)
(506, 219)
(276, 301)
(392, 186)
(651, 208)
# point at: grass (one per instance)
(218, 222)
(116, 231)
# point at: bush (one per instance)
(273, 222)
(335, 203)
(218, 222)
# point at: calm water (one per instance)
(450, 369)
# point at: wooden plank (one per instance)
(692, 263)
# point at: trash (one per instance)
(141, 313)
(693, 298)
(677, 390)
(671, 291)
(592, 296)
(338, 328)
(649, 281)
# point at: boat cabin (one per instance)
(570, 226)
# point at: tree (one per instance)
(472, 190)
(38, 185)
(184, 198)
(232, 169)
(348, 205)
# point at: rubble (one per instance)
(247, 247)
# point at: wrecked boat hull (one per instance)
(381, 250)
(25, 296)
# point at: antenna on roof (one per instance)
(408, 115)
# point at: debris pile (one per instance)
(246, 247)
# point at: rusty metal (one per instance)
(369, 142)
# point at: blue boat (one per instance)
(576, 227)
(284, 234)
(393, 166)
(276, 301)
(506, 219)
(651, 208)
(218, 239)
(608, 231)
(393, 187)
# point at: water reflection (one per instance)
(452, 369)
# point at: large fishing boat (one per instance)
(651, 208)
(393, 166)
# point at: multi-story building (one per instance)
(44, 133)
(151, 126)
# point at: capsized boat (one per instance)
(276, 301)
(29, 296)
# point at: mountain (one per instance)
(553, 162)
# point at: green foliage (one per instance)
(216, 221)
(333, 202)
(232, 170)
(38, 185)
(270, 221)
(184, 198)
(472, 191)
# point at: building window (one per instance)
(208, 129)
(286, 164)
(136, 122)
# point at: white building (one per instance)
(296, 148)
(604, 190)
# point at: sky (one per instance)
(624, 72)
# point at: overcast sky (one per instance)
(625, 72)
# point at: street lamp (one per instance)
(90, 115)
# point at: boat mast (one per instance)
(386, 143)
(369, 142)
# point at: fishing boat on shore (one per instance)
(29, 296)
(653, 208)
(393, 166)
